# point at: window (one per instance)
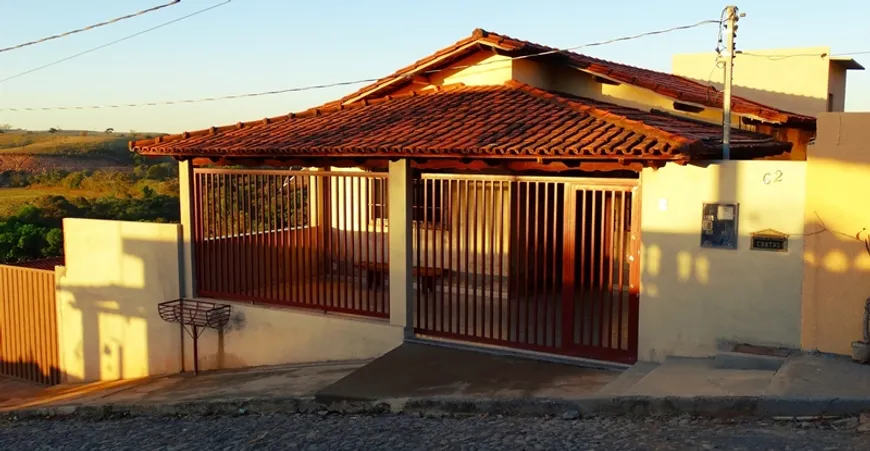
(377, 199)
(426, 202)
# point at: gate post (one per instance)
(186, 200)
(399, 186)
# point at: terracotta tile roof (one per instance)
(515, 120)
(46, 263)
(669, 85)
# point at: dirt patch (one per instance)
(43, 163)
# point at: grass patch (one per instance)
(12, 199)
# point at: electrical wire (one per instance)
(201, 99)
(94, 49)
(718, 56)
(90, 27)
(353, 82)
(786, 56)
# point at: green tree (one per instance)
(160, 171)
(74, 180)
(53, 242)
(23, 241)
(34, 231)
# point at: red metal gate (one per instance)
(308, 239)
(545, 264)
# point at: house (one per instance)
(497, 193)
(809, 81)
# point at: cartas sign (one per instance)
(769, 240)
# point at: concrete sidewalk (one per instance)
(431, 380)
(291, 381)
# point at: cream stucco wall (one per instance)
(837, 88)
(486, 69)
(479, 69)
(261, 335)
(837, 264)
(797, 83)
(695, 298)
(579, 83)
(107, 294)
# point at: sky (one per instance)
(263, 45)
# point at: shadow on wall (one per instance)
(837, 262)
(701, 299)
(800, 104)
(116, 273)
(836, 285)
(32, 370)
(696, 299)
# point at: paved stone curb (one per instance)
(702, 406)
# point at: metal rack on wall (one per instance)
(195, 317)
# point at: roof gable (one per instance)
(668, 85)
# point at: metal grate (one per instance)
(195, 313)
(310, 239)
(546, 264)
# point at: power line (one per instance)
(199, 100)
(793, 55)
(719, 42)
(94, 49)
(90, 27)
(354, 82)
(628, 38)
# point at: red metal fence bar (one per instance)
(311, 239)
(28, 325)
(528, 262)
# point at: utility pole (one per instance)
(731, 19)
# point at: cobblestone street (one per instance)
(399, 432)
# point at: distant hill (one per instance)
(71, 150)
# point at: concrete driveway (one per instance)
(420, 371)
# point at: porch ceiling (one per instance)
(514, 121)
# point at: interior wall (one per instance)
(473, 238)
(696, 299)
(476, 223)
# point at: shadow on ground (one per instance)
(416, 371)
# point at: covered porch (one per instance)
(503, 215)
